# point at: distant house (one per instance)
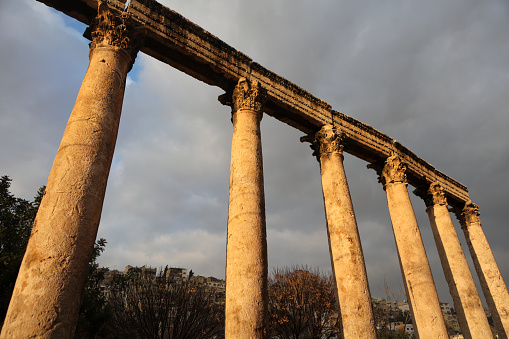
(175, 274)
(451, 320)
(404, 307)
(108, 277)
(445, 308)
(218, 285)
(214, 284)
(409, 328)
(144, 272)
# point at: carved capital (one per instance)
(248, 95)
(471, 213)
(393, 171)
(436, 194)
(328, 140)
(116, 30)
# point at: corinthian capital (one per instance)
(328, 141)
(248, 95)
(115, 30)
(436, 194)
(393, 171)
(471, 213)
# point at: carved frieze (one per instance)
(393, 171)
(248, 95)
(116, 30)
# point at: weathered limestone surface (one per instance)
(184, 45)
(344, 242)
(492, 283)
(471, 316)
(46, 298)
(246, 251)
(419, 285)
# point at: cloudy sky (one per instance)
(432, 74)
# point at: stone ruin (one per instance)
(46, 301)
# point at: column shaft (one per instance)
(471, 316)
(492, 283)
(344, 242)
(419, 285)
(246, 253)
(46, 298)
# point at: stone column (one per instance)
(47, 295)
(492, 283)
(344, 242)
(246, 251)
(419, 285)
(471, 316)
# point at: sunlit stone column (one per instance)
(419, 285)
(46, 298)
(344, 242)
(471, 316)
(246, 251)
(492, 283)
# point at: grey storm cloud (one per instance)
(434, 75)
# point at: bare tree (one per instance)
(302, 304)
(157, 309)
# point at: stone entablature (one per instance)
(174, 40)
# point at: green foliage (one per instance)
(95, 311)
(16, 219)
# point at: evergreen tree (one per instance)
(95, 311)
(16, 219)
